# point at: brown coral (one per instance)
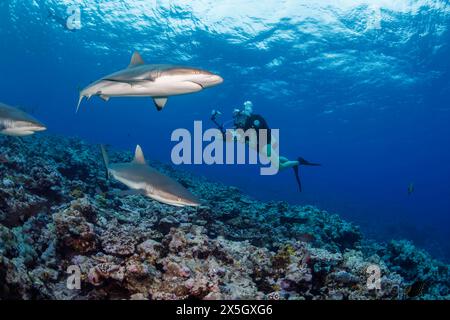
(74, 232)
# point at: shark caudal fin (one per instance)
(79, 101)
(105, 160)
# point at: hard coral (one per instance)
(131, 247)
(73, 231)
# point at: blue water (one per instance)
(362, 87)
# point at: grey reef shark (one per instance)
(158, 81)
(143, 179)
(15, 122)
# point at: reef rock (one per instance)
(58, 212)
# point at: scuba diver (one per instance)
(245, 119)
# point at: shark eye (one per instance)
(179, 199)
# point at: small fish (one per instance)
(410, 188)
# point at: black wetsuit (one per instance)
(250, 123)
(262, 124)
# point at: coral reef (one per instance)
(58, 212)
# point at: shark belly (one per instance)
(129, 183)
(16, 132)
(164, 200)
(142, 187)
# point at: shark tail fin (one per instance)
(79, 101)
(105, 160)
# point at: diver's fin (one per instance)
(139, 155)
(297, 177)
(160, 102)
(304, 162)
(105, 160)
(136, 60)
(105, 98)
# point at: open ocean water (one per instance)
(361, 87)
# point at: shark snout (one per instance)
(31, 127)
(176, 196)
(37, 128)
(210, 80)
(23, 129)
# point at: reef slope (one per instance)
(58, 210)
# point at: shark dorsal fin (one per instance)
(139, 155)
(136, 60)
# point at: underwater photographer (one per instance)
(245, 119)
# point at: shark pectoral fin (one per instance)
(160, 102)
(105, 98)
(136, 60)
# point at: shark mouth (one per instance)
(199, 84)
